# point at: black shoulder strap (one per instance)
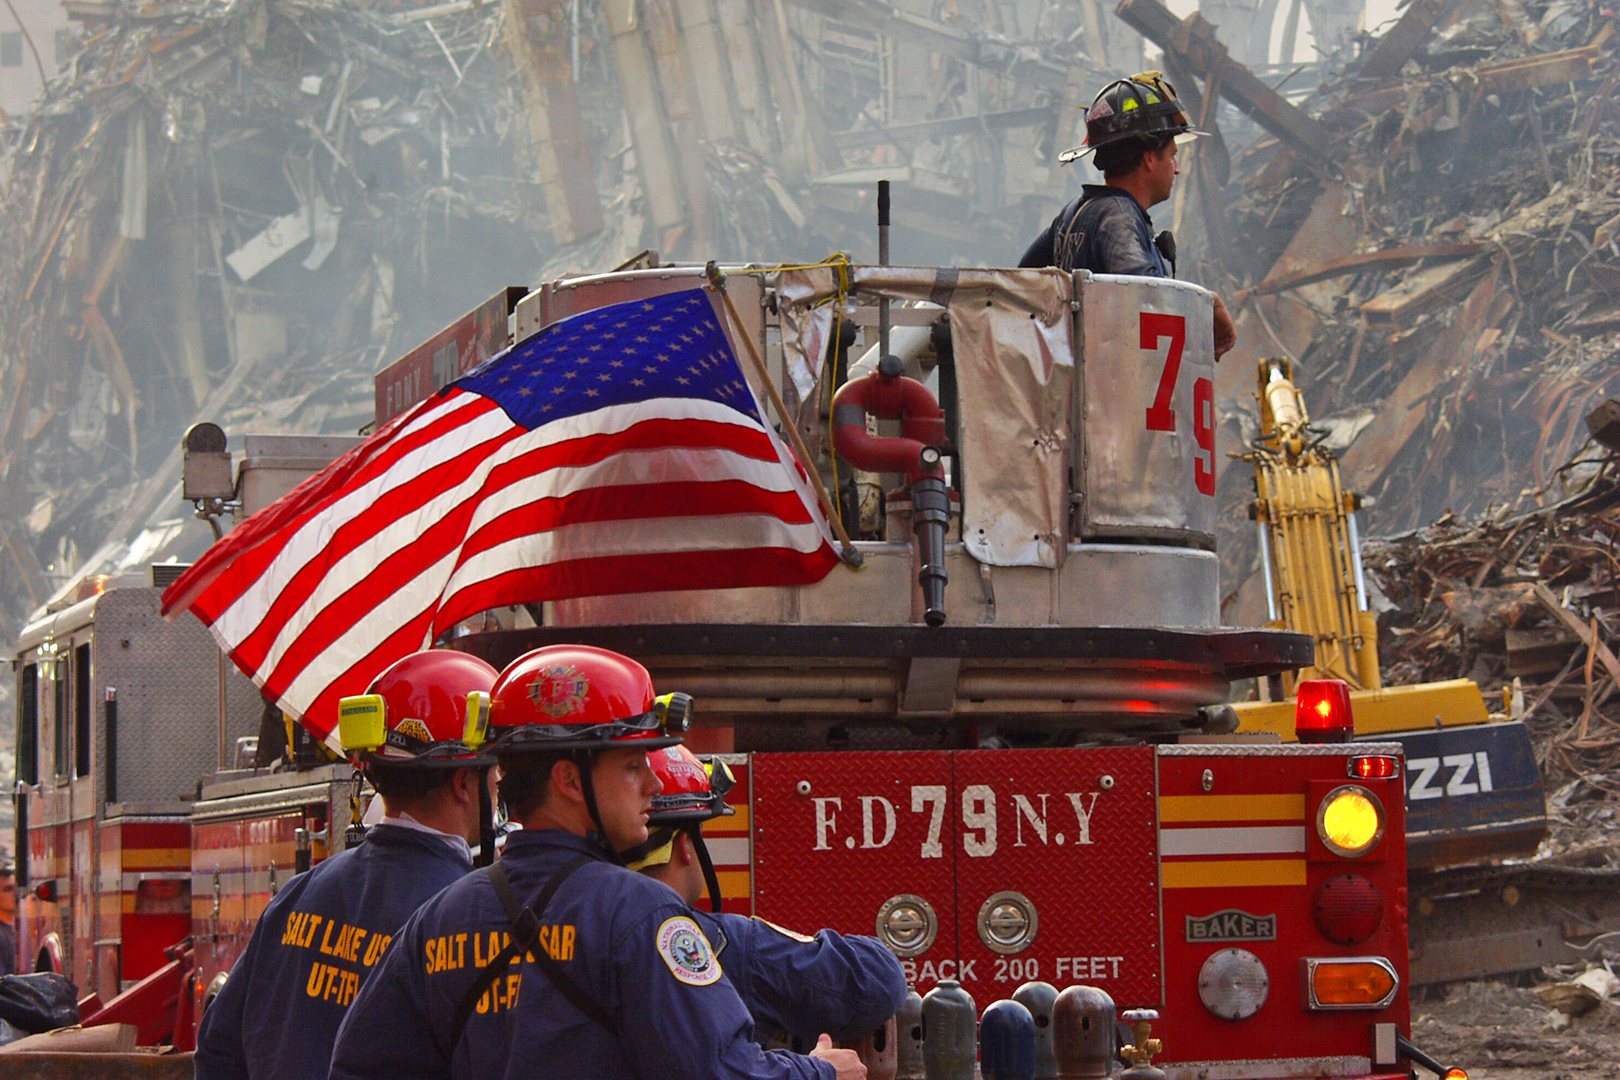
(526, 939)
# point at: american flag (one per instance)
(618, 451)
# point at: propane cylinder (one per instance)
(1038, 997)
(908, 1048)
(1083, 1033)
(1007, 1042)
(949, 1022)
(877, 1051)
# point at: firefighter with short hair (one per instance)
(558, 958)
(416, 735)
(1133, 129)
(795, 986)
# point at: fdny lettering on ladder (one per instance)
(870, 821)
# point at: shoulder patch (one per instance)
(687, 952)
(785, 932)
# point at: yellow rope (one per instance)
(838, 259)
(839, 263)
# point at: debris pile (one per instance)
(1529, 604)
(233, 212)
(238, 210)
(1432, 237)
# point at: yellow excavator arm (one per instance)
(1310, 560)
(1310, 551)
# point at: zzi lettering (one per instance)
(1466, 774)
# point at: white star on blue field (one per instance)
(668, 346)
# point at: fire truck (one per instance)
(993, 737)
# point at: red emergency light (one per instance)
(1374, 767)
(1322, 711)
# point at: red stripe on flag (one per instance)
(405, 565)
(392, 507)
(717, 498)
(653, 572)
(440, 538)
(255, 543)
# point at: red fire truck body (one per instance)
(1026, 792)
(249, 834)
(114, 726)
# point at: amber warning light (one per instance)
(1322, 711)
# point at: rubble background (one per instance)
(239, 210)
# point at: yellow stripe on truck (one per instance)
(1237, 873)
(734, 884)
(156, 858)
(1231, 808)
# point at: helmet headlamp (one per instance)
(477, 729)
(362, 723)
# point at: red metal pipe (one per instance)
(922, 423)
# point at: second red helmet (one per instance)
(694, 790)
(580, 697)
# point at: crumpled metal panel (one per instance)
(1148, 456)
(807, 322)
(1012, 333)
(1073, 830)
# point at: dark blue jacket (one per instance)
(1105, 231)
(628, 943)
(802, 986)
(319, 939)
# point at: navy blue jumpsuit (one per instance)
(1105, 231)
(801, 986)
(626, 941)
(319, 939)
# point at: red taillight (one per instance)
(1322, 711)
(1348, 909)
(46, 891)
(160, 889)
(1375, 767)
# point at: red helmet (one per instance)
(579, 697)
(428, 709)
(694, 790)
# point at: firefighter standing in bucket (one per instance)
(558, 960)
(795, 986)
(416, 736)
(1133, 131)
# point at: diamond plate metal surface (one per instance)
(167, 677)
(1073, 831)
(838, 834)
